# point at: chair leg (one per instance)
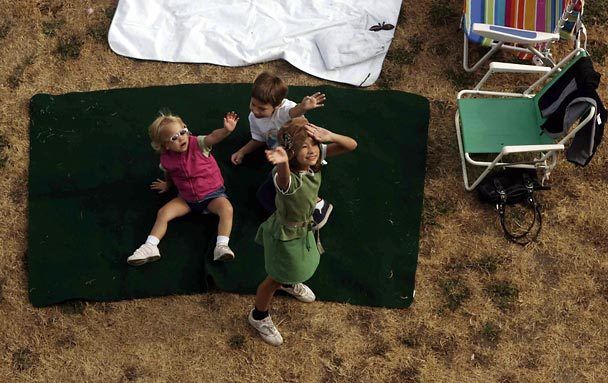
(465, 55)
(547, 168)
(463, 162)
(465, 177)
(545, 58)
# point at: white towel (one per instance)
(346, 46)
(244, 32)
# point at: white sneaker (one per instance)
(222, 253)
(144, 254)
(302, 292)
(268, 331)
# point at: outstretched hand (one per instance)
(159, 185)
(230, 121)
(277, 155)
(318, 133)
(237, 157)
(316, 100)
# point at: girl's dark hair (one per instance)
(292, 136)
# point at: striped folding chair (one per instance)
(526, 27)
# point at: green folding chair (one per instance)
(499, 129)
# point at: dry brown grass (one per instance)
(485, 310)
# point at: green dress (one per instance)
(290, 251)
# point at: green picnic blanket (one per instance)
(90, 205)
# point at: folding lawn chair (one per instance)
(526, 27)
(498, 129)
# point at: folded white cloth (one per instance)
(243, 32)
(346, 46)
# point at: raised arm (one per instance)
(316, 100)
(338, 143)
(218, 135)
(279, 158)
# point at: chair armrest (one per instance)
(500, 67)
(513, 35)
(477, 92)
(530, 148)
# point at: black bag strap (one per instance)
(527, 236)
(501, 191)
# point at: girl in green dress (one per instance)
(291, 255)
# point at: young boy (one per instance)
(270, 110)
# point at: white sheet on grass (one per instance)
(326, 38)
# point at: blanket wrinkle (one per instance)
(244, 32)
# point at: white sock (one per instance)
(152, 240)
(222, 240)
(320, 204)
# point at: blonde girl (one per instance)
(189, 166)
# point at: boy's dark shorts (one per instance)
(266, 194)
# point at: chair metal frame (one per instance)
(547, 154)
(525, 41)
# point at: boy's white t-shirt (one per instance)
(266, 129)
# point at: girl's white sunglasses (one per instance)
(178, 134)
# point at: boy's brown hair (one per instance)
(292, 136)
(269, 89)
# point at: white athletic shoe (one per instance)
(302, 292)
(268, 331)
(144, 254)
(222, 253)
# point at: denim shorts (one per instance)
(200, 206)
